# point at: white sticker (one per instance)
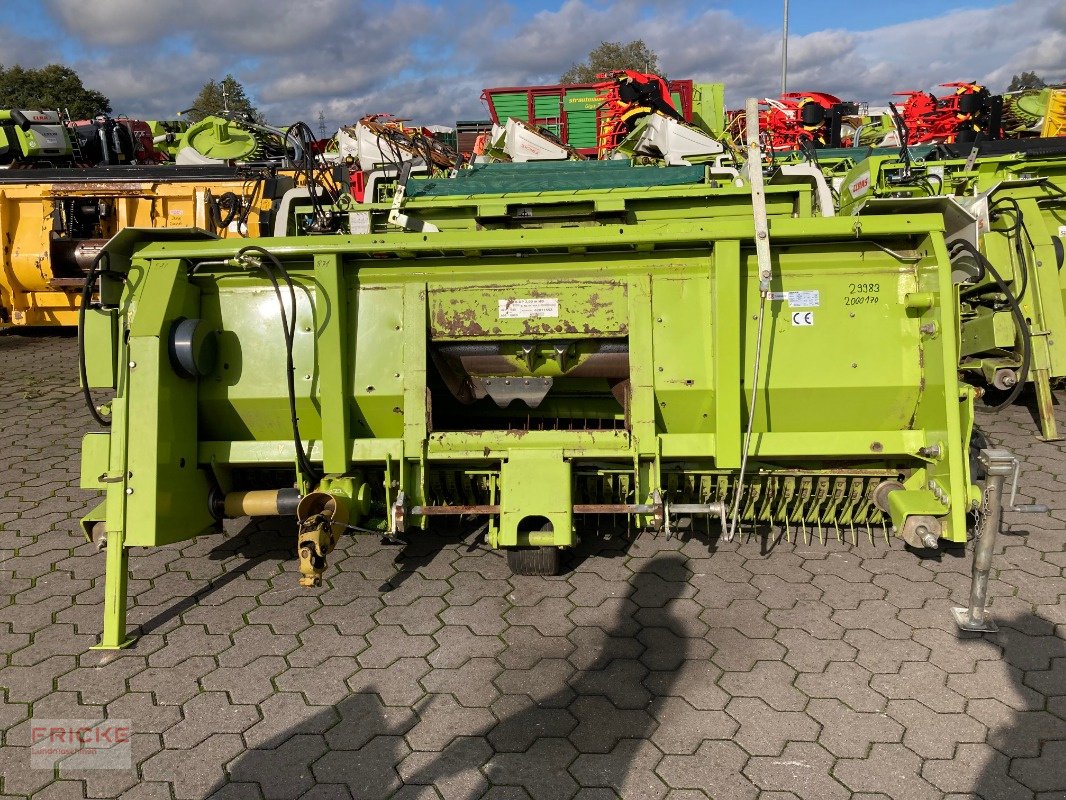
(1062, 231)
(809, 298)
(861, 185)
(359, 222)
(529, 308)
(803, 318)
(806, 299)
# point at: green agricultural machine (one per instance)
(540, 346)
(1004, 211)
(33, 137)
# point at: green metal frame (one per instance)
(1037, 184)
(867, 394)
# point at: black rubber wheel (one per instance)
(533, 560)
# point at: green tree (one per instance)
(1027, 80)
(607, 56)
(51, 87)
(218, 96)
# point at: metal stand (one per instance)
(999, 464)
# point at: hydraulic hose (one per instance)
(1024, 331)
(273, 268)
(86, 298)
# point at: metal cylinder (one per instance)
(261, 503)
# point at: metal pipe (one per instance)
(784, 51)
(716, 509)
(261, 503)
(999, 464)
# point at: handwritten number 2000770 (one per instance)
(862, 294)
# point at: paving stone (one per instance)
(522, 722)
(601, 725)
(207, 714)
(889, 768)
(803, 766)
(976, 771)
(472, 684)
(454, 773)
(762, 731)
(541, 770)
(441, 719)
(363, 719)
(196, 772)
(287, 713)
(628, 770)
(548, 684)
(398, 684)
(369, 772)
(1013, 732)
(933, 734)
(695, 681)
(282, 772)
(923, 682)
(322, 685)
(770, 680)
(715, 768)
(846, 681)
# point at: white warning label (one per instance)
(809, 298)
(529, 308)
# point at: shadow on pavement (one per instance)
(360, 744)
(1031, 747)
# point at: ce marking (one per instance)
(803, 318)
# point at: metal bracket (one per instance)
(403, 220)
(399, 514)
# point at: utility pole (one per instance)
(321, 124)
(784, 51)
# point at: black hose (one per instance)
(86, 298)
(1024, 331)
(227, 201)
(273, 268)
(1014, 235)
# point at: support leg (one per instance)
(999, 465)
(1045, 406)
(116, 584)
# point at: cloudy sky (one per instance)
(429, 59)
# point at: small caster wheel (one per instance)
(533, 560)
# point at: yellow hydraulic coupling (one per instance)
(316, 541)
(322, 517)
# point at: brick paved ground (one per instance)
(663, 669)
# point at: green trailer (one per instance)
(661, 363)
(570, 111)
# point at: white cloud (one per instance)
(430, 61)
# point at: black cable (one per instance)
(273, 267)
(1024, 332)
(227, 201)
(86, 298)
(1014, 236)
